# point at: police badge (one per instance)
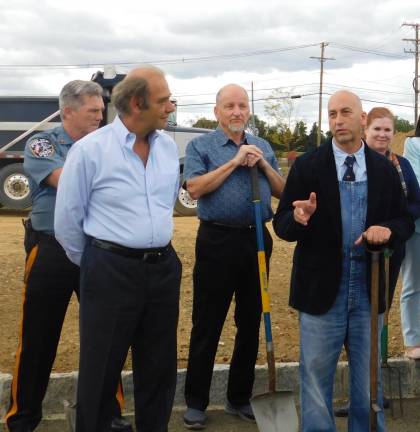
(42, 147)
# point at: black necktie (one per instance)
(349, 174)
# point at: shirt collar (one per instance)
(340, 155)
(125, 137)
(223, 139)
(63, 137)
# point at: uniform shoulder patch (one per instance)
(42, 147)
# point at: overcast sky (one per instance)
(204, 45)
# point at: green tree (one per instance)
(327, 136)
(267, 132)
(203, 122)
(312, 137)
(280, 107)
(285, 136)
(403, 125)
(300, 138)
(260, 125)
(275, 139)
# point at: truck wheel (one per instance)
(185, 205)
(14, 187)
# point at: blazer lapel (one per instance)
(327, 174)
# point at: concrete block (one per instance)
(414, 367)
(288, 376)
(63, 386)
(5, 383)
(180, 384)
(218, 385)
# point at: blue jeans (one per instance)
(321, 340)
(410, 294)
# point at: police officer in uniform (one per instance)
(50, 277)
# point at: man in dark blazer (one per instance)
(336, 198)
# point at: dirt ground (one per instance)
(285, 326)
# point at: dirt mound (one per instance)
(399, 140)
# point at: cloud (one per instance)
(176, 34)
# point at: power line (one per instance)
(182, 60)
(368, 90)
(416, 68)
(255, 90)
(372, 82)
(380, 102)
(302, 96)
(385, 39)
(368, 51)
(290, 87)
(255, 100)
(186, 60)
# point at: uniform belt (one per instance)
(227, 227)
(151, 255)
(47, 238)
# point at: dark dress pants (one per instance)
(226, 265)
(126, 302)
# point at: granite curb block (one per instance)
(63, 385)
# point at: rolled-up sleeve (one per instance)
(272, 160)
(194, 164)
(71, 204)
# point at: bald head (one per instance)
(232, 109)
(229, 89)
(346, 119)
(136, 84)
(145, 72)
(345, 96)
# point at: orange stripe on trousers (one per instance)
(28, 267)
(120, 396)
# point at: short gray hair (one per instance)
(72, 94)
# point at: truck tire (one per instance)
(14, 187)
(185, 205)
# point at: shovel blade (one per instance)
(275, 412)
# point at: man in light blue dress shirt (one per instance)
(114, 219)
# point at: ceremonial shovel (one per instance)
(274, 411)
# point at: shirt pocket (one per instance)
(165, 188)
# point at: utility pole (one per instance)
(322, 59)
(416, 68)
(253, 126)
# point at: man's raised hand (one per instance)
(304, 209)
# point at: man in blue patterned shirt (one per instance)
(217, 174)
